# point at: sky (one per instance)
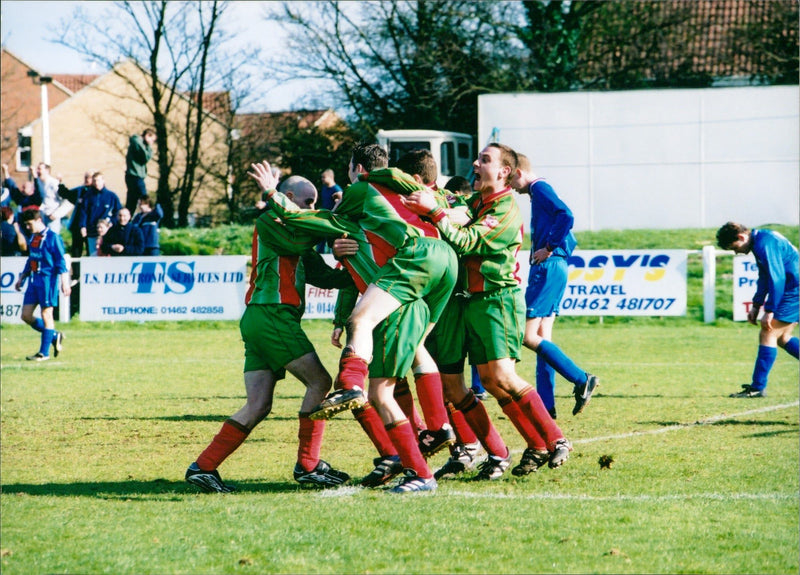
(26, 25)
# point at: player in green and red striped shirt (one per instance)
(494, 312)
(416, 275)
(283, 260)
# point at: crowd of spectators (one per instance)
(92, 214)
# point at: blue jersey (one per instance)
(551, 221)
(777, 261)
(45, 257)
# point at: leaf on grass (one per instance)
(606, 461)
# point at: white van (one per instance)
(452, 150)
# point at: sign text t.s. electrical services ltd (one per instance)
(163, 288)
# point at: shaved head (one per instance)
(300, 190)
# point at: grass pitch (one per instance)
(95, 443)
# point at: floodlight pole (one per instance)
(43, 81)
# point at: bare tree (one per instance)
(422, 64)
(394, 63)
(172, 43)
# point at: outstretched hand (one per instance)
(420, 202)
(262, 174)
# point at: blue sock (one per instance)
(476, 387)
(764, 360)
(38, 325)
(562, 364)
(47, 341)
(546, 382)
(793, 347)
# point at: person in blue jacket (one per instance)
(552, 243)
(46, 265)
(123, 238)
(99, 203)
(147, 219)
(777, 294)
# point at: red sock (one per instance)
(478, 419)
(431, 399)
(353, 371)
(403, 397)
(373, 426)
(463, 431)
(405, 442)
(229, 438)
(526, 429)
(309, 437)
(531, 405)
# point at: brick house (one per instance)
(20, 105)
(90, 121)
(91, 118)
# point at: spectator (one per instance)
(14, 243)
(46, 263)
(24, 198)
(101, 229)
(139, 153)
(5, 196)
(123, 238)
(99, 203)
(76, 196)
(54, 208)
(147, 220)
(329, 195)
(331, 192)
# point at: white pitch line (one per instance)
(706, 421)
(349, 491)
(624, 498)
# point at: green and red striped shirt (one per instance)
(487, 247)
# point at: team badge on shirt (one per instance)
(490, 222)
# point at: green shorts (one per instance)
(447, 342)
(272, 337)
(396, 339)
(423, 268)
(495, 322)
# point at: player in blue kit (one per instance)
(552, 243)
(776, 292)
(45, 266)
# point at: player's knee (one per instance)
(531, 341)
(321, 385)
(258, 409)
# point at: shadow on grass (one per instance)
(748, 422)
(157, 489)
(774, 433)
(187, 417)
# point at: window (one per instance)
(24, 149)
(463, 151)
(398, 149)
(448, 152)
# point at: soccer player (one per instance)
(46, 265)
(275, 343)
(552, 243)
(416, 274)
(494, 312)
(776, 293)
